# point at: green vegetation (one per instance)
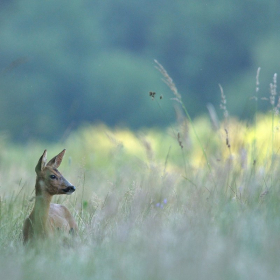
(65, 63)
(196, 200)
(141, 216)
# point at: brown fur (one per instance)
(47, 217)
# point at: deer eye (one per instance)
(52, 176)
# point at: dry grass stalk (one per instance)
(223, 103)
(179, 140)
(148, 148)
(224, 108)
(273, 90)
(213, 116)
(227, 139)
(168, 80)
(257, 80)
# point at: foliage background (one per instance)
(65, 63)
(198, 198)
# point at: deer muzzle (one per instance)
(69, 190)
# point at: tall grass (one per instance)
(139, 218)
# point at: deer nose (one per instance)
(71, 188)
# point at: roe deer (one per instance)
(46, 217)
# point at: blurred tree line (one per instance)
(66, 62)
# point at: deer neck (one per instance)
(41, 213)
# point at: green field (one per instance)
(152, 206)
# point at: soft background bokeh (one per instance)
(64, 62)
(165, 189)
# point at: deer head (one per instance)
(49, 180)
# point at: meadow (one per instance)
(154, 204)
(198, 200)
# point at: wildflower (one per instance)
(161, 205)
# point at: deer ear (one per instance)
(41, 163)
(56, 161)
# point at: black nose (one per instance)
(69, 189)
(72, 188)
